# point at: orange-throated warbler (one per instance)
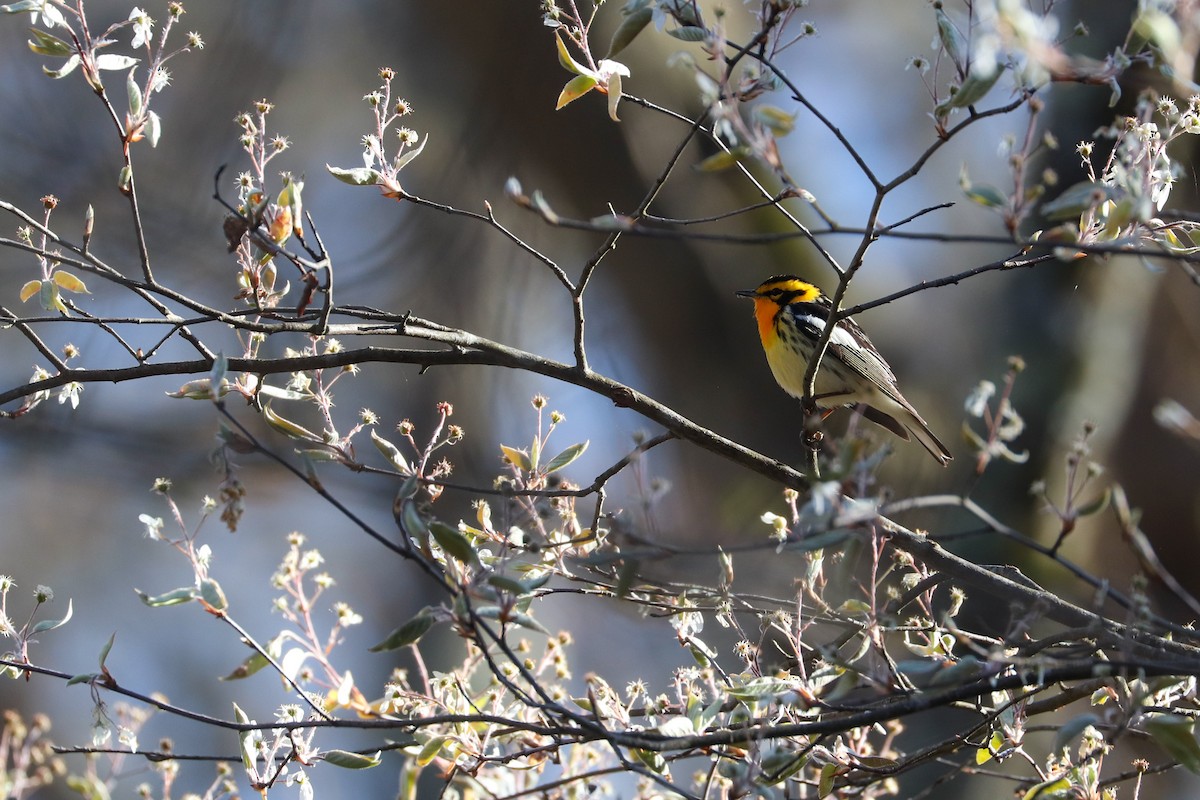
(791, 315)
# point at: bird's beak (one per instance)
(746, 293)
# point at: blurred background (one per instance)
(1104, 341)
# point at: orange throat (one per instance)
(765, 312)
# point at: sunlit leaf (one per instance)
(66, 69)
(47, 45)
(565, 58)
(430, 751)
(113, 61)
(575, 88)
(519, 458)
(287, 427)
(348, 760)
(778, 121)
(253, 663)
(566, 457)
(391, 453)
(723, 160)
(358, 176)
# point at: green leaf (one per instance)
(348, 760)
(403, 160)
(506, 584)
(985, 195)
(51, 624)
(723, 160)
(574, 89)
(689, 33)
(956, 46)
(970, 91)
(519, 458)
(564, 57)
(247, 739)
(153, 128)
(413, 523)
(1097, 505)
(49, 297)
(358, 176)
(104, 651)
(287, 427)
(1174, 734)
(47, 45)
(135, 95)
(1075, 200)
(778, 121)
(634, 23)
(251, 665)
(651, 758)
(211, 593)
(391, 453)
(1053, 789)
(430, 751)
(825, 782)
(409, 633)
(517, 618)
(184, 594)
(566, 457)
(454, 543)
(66, 69)
(1158, 29)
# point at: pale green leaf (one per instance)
(66, 69)
(212, 594)
(174, 597)
(358, 176)
(51, 624)
(347, 760)
(689, 33)
(391, 453)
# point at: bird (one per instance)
(791, 314)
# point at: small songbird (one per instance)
(791, 315)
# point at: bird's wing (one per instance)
(853, 348)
